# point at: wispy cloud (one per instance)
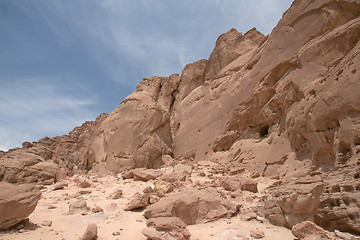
(35, 107)
(130, 38)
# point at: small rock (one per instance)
(76, 195)
(163, 187)
(174, 177)
(116, 233)
(142, 174)
(139, 200)
(249, 185)
(116, 194)
(149, 189)
(236, 171)
(52, 207)
(90, 233)
(62, 174)
(59, 186)
(47, 182)
(183, 169)
(97, 209)
(84, 191)
(127, 175)
(255, 174)
(84, 184)
(260, 219)
(345, 236)
(154, 199)
(46, 223)
(168, 160)
(257, 234)
(79, 206)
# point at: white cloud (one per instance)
(35, 107)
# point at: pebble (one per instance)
(85, 191)
(257, 234)
(46, 223)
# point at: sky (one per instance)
(64, 62)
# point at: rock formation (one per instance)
(284, 106)
(16, 203)
(43, 160)
(193, 206)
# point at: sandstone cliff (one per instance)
(285, 105)
(292, 94)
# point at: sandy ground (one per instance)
(115, 223)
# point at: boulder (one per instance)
(183, 169)
(163, 187)
(173, 177)
(139, 200)
(292, 203)
(142, 174)
(59, 185)
(308, 230)
(23, 166)
(17, 202)
(346, 236)
(90, 232)
(116, 194)
(78, 207)
(233, 183)
(166, 228)
(192, 206)
(84, 184)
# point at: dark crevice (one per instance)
(264, 131)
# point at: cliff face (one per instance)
(285, 105)
(293, 94)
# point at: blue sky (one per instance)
(63, 62)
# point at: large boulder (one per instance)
(17, 202)
(310, 231)
(23, 166)
(142, 174)
(293, 202)
(193, 206)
